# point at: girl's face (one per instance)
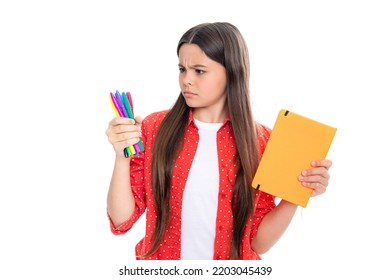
(203, 83)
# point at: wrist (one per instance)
(289, 204)
(121, 157)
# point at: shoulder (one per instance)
(154, 120)
(263, 134)
(263, 130)
(150, 126)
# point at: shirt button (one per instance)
(223, 195)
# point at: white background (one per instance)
(328, 60)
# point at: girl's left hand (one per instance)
(316, 178)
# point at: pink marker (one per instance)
(130, 101)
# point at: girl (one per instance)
(194, 178)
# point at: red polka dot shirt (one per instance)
(141, 184)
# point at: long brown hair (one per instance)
(223, 43)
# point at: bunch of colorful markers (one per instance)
(122, 105)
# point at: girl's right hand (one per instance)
(123, 132)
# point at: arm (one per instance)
(275, 223)
(120, 199)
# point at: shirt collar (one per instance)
(191, 119)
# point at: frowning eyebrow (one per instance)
(194, 66)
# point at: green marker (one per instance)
(139, 147)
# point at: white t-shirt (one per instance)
(200, 198)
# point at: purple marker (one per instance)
(117, 106)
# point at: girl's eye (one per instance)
(181, 69)
(199, 71)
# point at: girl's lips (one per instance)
(188, 94)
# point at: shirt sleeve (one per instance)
(138, 189)
(264, 201)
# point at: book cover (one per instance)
(295, 141)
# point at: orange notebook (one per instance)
(294, 143)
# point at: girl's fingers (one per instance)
(318, 171)
(121, 125)
(121, 137)
(123, 128)
(123, 132)
(317, 188)
(316, 182)
(120, 120)
(316, 178)
(326, 163)
(139, 119)
(119, 146)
